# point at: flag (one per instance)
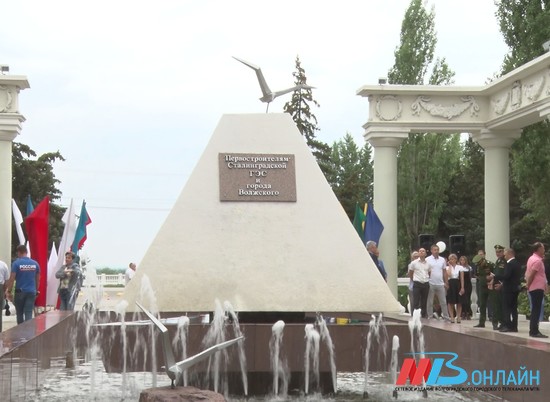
(359, 221)
(37, 230)
(81, 235)
(30, 207)
(18, 218)
(69, 219)
(52, 281)
(373, 225)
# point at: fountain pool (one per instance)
(89, 382)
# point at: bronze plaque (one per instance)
(257, 177)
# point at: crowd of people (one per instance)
(449, 281)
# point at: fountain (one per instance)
(377, 335)
(129, 384)
(325, 336)
(238, 333)
(174, 369)
(120, 310)
(311, 358)
(279, 365)
(180, 342)
(394, 361)
(217, 334)
(417, 342)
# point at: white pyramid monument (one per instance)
(291, 248)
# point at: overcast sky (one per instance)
(130, 91)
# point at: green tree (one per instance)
(34, 176)
(351, 173)
(416, 50)
(525, 26)
(426, 166)
(464, 211)
(530, 172)
(415, 54)
(426, 162)
(299, 108)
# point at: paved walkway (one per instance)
(467, 326)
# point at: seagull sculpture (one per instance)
(174, 369)
(267, 95)
(172, 321)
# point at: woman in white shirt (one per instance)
(455, 273)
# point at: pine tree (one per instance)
(299, 108)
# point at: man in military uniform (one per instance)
(495, 294)
(484, 268)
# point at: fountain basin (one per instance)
(348, 340)
(28, 349)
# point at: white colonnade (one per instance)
(494, 115)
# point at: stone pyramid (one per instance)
(295, 251)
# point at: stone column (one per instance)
(497, 201)
(10, 127)
(385, 143)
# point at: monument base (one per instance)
(271, 317)
(179, 394)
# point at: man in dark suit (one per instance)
(511, 284)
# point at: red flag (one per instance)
(37, 232)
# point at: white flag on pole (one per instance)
(69, 219)
(18, 218)
(52, 281)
